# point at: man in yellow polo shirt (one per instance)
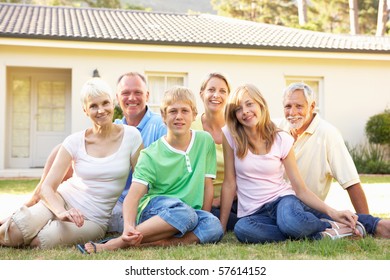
(323, 156)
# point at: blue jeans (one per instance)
(369, 222)
(285, 218)
(184, 218)
(232, 215)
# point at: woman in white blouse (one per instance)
(78, 209)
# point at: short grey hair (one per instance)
(307, 91)
(132, 74)
(95, 87)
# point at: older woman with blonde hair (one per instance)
(78, 209)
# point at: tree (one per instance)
(353, 17)
(302, 12)
(113, 4)
(331, 17)
(334, 16)
(382, 18)
(281, 12)
(43, 2)
(368, 13)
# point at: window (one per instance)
(316, 85)
(158, 83)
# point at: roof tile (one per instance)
(126, 26)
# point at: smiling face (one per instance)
(248, 112)
(297, 111)
(178, 118)
(215, 94)
(132, 95)
(100, 109)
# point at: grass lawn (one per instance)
(375, 179)
(228, 249)
(24, 186)
(13, 186)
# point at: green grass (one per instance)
(228, 249)
(374, 179)
(20, 186)
(24, 186)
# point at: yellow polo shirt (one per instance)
(321, 156)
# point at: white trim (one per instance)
(3, 116)
(142, 182)
(110, 46)
(157, 94)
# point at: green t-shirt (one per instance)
(175, 173)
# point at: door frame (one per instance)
(34, 74)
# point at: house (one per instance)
(47, 53)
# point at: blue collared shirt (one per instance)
(151, 128)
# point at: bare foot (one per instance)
(383, 229)
(92, 247)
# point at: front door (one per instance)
(39, 114)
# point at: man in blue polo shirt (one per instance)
(132, 95)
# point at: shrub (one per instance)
(378, 128)
(118, 114)
(369, 159)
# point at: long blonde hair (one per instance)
(266, 128)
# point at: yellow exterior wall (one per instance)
(355, 86)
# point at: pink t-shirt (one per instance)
(259, 178)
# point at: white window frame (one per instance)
(158, 94)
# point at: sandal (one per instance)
(339, 230)
(82, 249)
(334, 234)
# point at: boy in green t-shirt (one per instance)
(172, 190)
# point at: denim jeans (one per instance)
(369, 222)
(232, 215)
(184, 218)
(285, 218)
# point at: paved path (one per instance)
(378, 196)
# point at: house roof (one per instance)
(140, 27)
